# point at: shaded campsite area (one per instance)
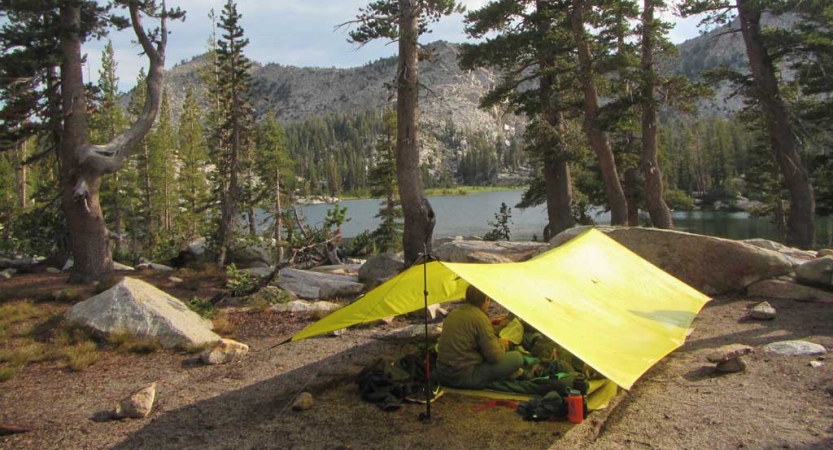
(779, 402)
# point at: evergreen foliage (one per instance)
(388, 236)
(500, 227)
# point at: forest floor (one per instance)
(62, 397)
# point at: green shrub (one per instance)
(679, 200)
(7, 373)
(202, 307)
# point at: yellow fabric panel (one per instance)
(399, 295)
(603, 303)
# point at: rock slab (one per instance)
(381, 267)
(135, 307)
(138, 405)
(709, 264)
(818, 272)
(781, 288)
(731, 366)
(794, 348)
(487, 251)
(305, 306)
(316, 286)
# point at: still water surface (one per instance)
(469, 215)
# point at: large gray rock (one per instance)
(253, 254)
(818, 272)
(709, 264)
(317, 286)
(824, 252)
(347, 269)
(260, 272)
(487, 251)
(154, 266)
(141, 310)
(381, 267)
(785, 288)
(793, 348)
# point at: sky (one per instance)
(288, 32)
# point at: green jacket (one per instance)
(467, 339)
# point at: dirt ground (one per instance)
(779, 403)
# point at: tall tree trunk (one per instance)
(557, 178)
(631, 189)
(801, 217)
(20, 168)
(250, 215)
(596, 137)
(117, 220)
(82, 164)
(654, 201)
(79, 185)
(278, 223)
(151, 223)
(417, 211)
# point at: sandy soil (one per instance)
(780, 402)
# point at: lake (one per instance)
(469, 215)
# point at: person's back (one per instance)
(470, 355)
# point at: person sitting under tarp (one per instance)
(470, 355)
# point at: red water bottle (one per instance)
(575, 406)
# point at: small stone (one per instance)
(728, 352)
(137, 405)
(6, 274)
(303, 402)
(224, 351)
(762, 311)
(732, 365)
(824, 252)
(52, 270)
(792, 348)
(175, 279)
(338, 332)
(816, 364)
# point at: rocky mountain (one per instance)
(296, 93)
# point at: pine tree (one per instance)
(762, 86)
(274, 169)
(108, 121)
(653, 32)
(232, 134)
(388, 236)
(60, 29)
(533, 44)
(193, 182)
(587, 66)
(404, 21)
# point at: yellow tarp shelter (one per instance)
(602, 302)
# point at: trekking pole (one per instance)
(427, 417)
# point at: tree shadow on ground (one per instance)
(259, 416)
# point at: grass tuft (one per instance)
(127, 343)
(7, 373)
(81, 356)
(223, 326)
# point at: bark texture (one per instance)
(598, 140)
(785, 147)
(417, 211)
(654, 201)
(82, 164)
